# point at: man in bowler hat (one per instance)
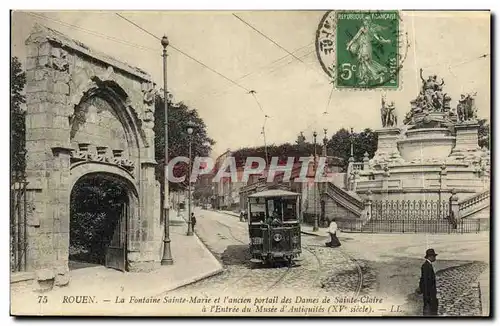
(427, 286)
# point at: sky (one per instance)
(292, 93)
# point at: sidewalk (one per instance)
(192, 262)
(307, 229)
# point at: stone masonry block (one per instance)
(61, 76)
(44, 49)
(61, 88)
(45, 274)
(37, 85)
(43, 74)
(31, 63)
(47, 134)
(35, 98)
(58, 98)
(39, 120)
(142, 266)
(30, 75)
(55, 52)
(32, 50)
(43, 61)
(62, 279)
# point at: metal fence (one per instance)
(18, 233)
(410, 210)
(411, 216)
(412, 226)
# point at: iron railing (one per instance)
(410, 210)
(411, 226)
(18, 224)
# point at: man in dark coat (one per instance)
(193, 221)
(427, 284)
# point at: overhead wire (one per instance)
(91, 32)
(184, 53)
(275, 43)
(263, 69)
(142, 47)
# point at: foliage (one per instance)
(363, 142)
(339, 145)
(18, 128)
(179, 115)
(95, 207)
(484, 133)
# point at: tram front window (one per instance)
(257, 211)
(290, 208)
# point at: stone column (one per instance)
(143, 251)
(47, 159)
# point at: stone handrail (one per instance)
(358, 166)
(353, 202)
(477, 201)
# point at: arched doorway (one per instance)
(100, 207)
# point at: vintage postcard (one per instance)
(250, 163)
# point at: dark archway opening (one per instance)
(99, 206)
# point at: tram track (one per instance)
(276, 281)
(349, 259)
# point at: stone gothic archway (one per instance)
(87, 115)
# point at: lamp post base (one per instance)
(167, 254)
(190, 229)
(315, 226)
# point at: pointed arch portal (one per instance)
(92, 193)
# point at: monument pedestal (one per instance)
(387, 149)
(467, 137)
(425, 143)
(467, 149)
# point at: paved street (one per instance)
(383, 265)
(321, 270)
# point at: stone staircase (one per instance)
(476, 206)
(345, 206)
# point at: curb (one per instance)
(484, 298)
(217, 271)
(191, 281)
(227, 213)
(313, 234)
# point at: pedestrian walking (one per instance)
(332, 230)
(193, 221)
(427, 285)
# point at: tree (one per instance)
(340, 145)
(179, 114)
(18, 129)
(363, 142)
(484, 133)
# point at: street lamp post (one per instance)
(167, 253)
(190, 225)
(315, 227)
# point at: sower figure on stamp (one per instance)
(332, 230)
(427, 286)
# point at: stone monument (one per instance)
(434, 152)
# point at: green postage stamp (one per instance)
(360, 49)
